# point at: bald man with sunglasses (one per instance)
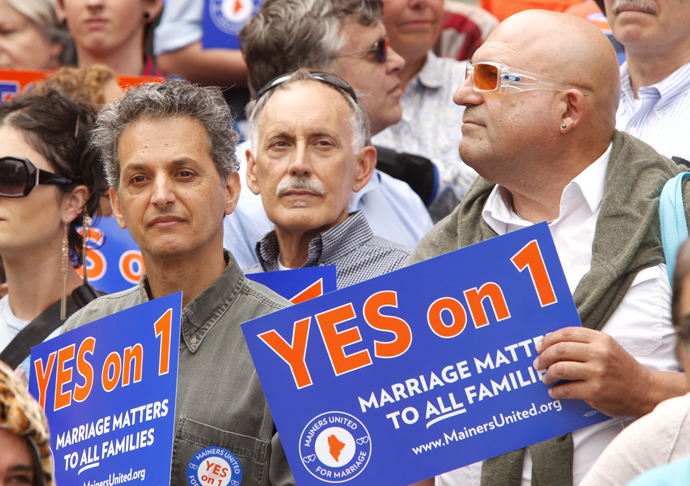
(539, 128)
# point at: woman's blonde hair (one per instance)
(43, 14)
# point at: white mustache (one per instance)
(648, 6)
(300, 183)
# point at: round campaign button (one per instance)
(214, 466)
(335, 447)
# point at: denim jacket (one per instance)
(219, 398)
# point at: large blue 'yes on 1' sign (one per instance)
(108, 390)
(422, 370)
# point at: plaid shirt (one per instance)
(351, 246)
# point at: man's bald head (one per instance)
(565, 48)
(536, 138)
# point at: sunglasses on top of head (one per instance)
(324, 77)
(493, 76)
(380, 48)
(18, 176)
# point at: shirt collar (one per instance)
(199, 316)
(325, 249)
(667, 90)
(431, 74)
(588, 185)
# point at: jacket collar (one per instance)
(201, 314)
(325, 249)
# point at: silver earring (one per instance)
(564, 126)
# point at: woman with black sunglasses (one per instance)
(50, 185)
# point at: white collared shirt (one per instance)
(641, 323)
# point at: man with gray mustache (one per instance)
(296, 183)
(655, 78)
(311, 150)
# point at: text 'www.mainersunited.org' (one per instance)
(498, 421)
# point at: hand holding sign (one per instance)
(599, 370)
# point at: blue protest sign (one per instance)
(301, 284)
(420, 371)
(223, 20)
(113, 258)
(108, 390)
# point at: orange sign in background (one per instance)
(14, 82)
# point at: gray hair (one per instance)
(286, 35)
(171, 99)
(359, 121)
(42, 14)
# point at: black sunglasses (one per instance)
(380, 48)
(327, 78)
(18, 176)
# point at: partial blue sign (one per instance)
(108, 390)
(113, 258)
(223, 21)
(8, 90)
(301, 284)
(420, 371)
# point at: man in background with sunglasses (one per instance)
(311, 151)
(346, 38)
(540, 100)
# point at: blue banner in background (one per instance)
(301, 284)
(113, 259)
(223, 21)
(420, 371)
(108, 389)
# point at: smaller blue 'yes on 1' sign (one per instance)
(301, 284)
(108, 390)
(420, 371)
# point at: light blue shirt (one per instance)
(179, 27)
(673, 474)
(430, 127)
(393, 210)
(660, 116)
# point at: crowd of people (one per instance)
(341, 133)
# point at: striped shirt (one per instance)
(351, 246)
(660, 116)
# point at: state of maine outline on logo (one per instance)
(335, 447)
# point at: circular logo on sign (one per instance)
(335, 447)
(214, 466)
(230, 15)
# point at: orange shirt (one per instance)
(503, 9)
